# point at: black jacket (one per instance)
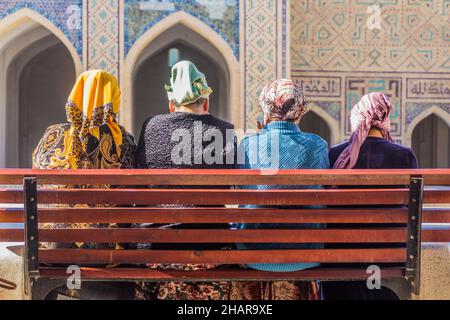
(164, 135)
(172, 141)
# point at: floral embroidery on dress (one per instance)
(51, 154)
(254, 290)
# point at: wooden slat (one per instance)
(436, 215)
(211, 215)
(136, 274)
(221, 197)
(441, 234)
(391, 235)
(83, 256)
(436, 196)
(436, 234)
(223, 215)
(11, 235)
(11, 215)
(11, 196)
(227, 177)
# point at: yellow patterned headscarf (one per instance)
(93, 102)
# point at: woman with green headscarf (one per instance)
(188, 98)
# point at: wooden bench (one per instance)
(399, 194)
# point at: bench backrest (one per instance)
(388, 202)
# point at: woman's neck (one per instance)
(198, 111)
(374, 132)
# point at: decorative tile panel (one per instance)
(261, 53)
(64, 14)
(221, 15)
(333, 46)
(103, 45)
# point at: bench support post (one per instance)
(413, 249)
(42, 287)
(400, 286)
(31, 257)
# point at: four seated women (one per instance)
(92, 139)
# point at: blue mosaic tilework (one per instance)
(333, 108)
(413, 109)
(54, 11)
(138, 21)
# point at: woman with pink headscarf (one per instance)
(370, 147)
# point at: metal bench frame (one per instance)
(39, 286)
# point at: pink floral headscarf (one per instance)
(372, 111)
(274, 98)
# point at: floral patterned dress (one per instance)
(101, 154)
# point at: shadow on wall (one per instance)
(150, 97)
(430, 142)
(44, 86)
(312, 123)
(38, 78)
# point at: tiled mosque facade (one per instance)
(334, 48)
(326, 45)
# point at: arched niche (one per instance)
(152, 72)
(181, 27)
(318, 121)
(311, 122)
(33, 54)
(430, 141)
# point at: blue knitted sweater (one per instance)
(297, 150)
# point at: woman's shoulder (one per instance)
(127, 136)
(54, 133)
(336, 150)
(51, 140)
(399, 150)
(220, 123)
(339, 147)
(58, 127)
(315, 139)
(397, 146)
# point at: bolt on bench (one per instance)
(389, 203)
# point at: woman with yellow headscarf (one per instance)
(92, 138)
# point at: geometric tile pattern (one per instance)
(333, 54)
(336, 55)
(413, 109)
(284, 35)
(333, 108)
(333, 35)
(261, 44)
(59, 12)
(103, 50)
(221, 15)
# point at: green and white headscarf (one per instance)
(187, 84)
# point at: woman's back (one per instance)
(281, 145)
(370, 147)
(294, 149)
(378, 153)
(102, 153)
(90, 139)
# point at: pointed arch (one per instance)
(23, 35)
(198, 27)
(14, 21)
(330, 121)
(434, 110)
